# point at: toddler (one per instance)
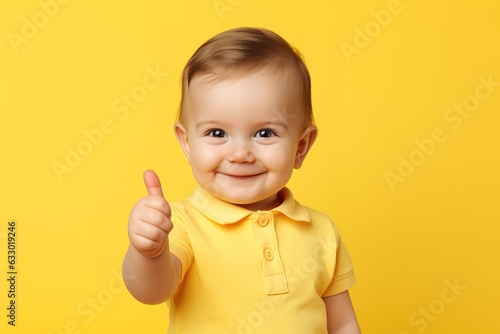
(241, 255)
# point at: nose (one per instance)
(241, 152)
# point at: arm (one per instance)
(341, 318)
(151, 280)
(150, 272)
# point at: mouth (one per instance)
(241, 176)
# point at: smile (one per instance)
(242, 177)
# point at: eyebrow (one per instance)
(205, 123)
(277, 123)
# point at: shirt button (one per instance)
(263, 221)
(268, 254)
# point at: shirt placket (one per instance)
(273, 272)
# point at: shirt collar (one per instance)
(226, 213)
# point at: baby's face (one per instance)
(243, 137)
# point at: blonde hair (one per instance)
(243, 50)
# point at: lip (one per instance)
(241, 176)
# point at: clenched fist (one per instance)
(149, 222)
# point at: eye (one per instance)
(217, 133)
(265, 133)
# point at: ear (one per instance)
(306, 141)
(182, 137)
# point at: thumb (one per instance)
(152, 183)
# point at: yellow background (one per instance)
(409, 241)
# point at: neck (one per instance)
(264, 205)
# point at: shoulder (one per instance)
(179, 208)
(320, 225)
(320, 219)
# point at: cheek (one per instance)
(280, 158)
(203, 158)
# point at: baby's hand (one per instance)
(149, 222)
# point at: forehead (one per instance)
(258, 94)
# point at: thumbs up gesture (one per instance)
(149, 222)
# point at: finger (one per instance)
(152, 183)
(157, 203)
(152, 232)
(147, 247)
(156, 218)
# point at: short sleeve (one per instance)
(343, 275)
(179, 243)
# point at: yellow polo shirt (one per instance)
(254, 272)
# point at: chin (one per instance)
(239, 200)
